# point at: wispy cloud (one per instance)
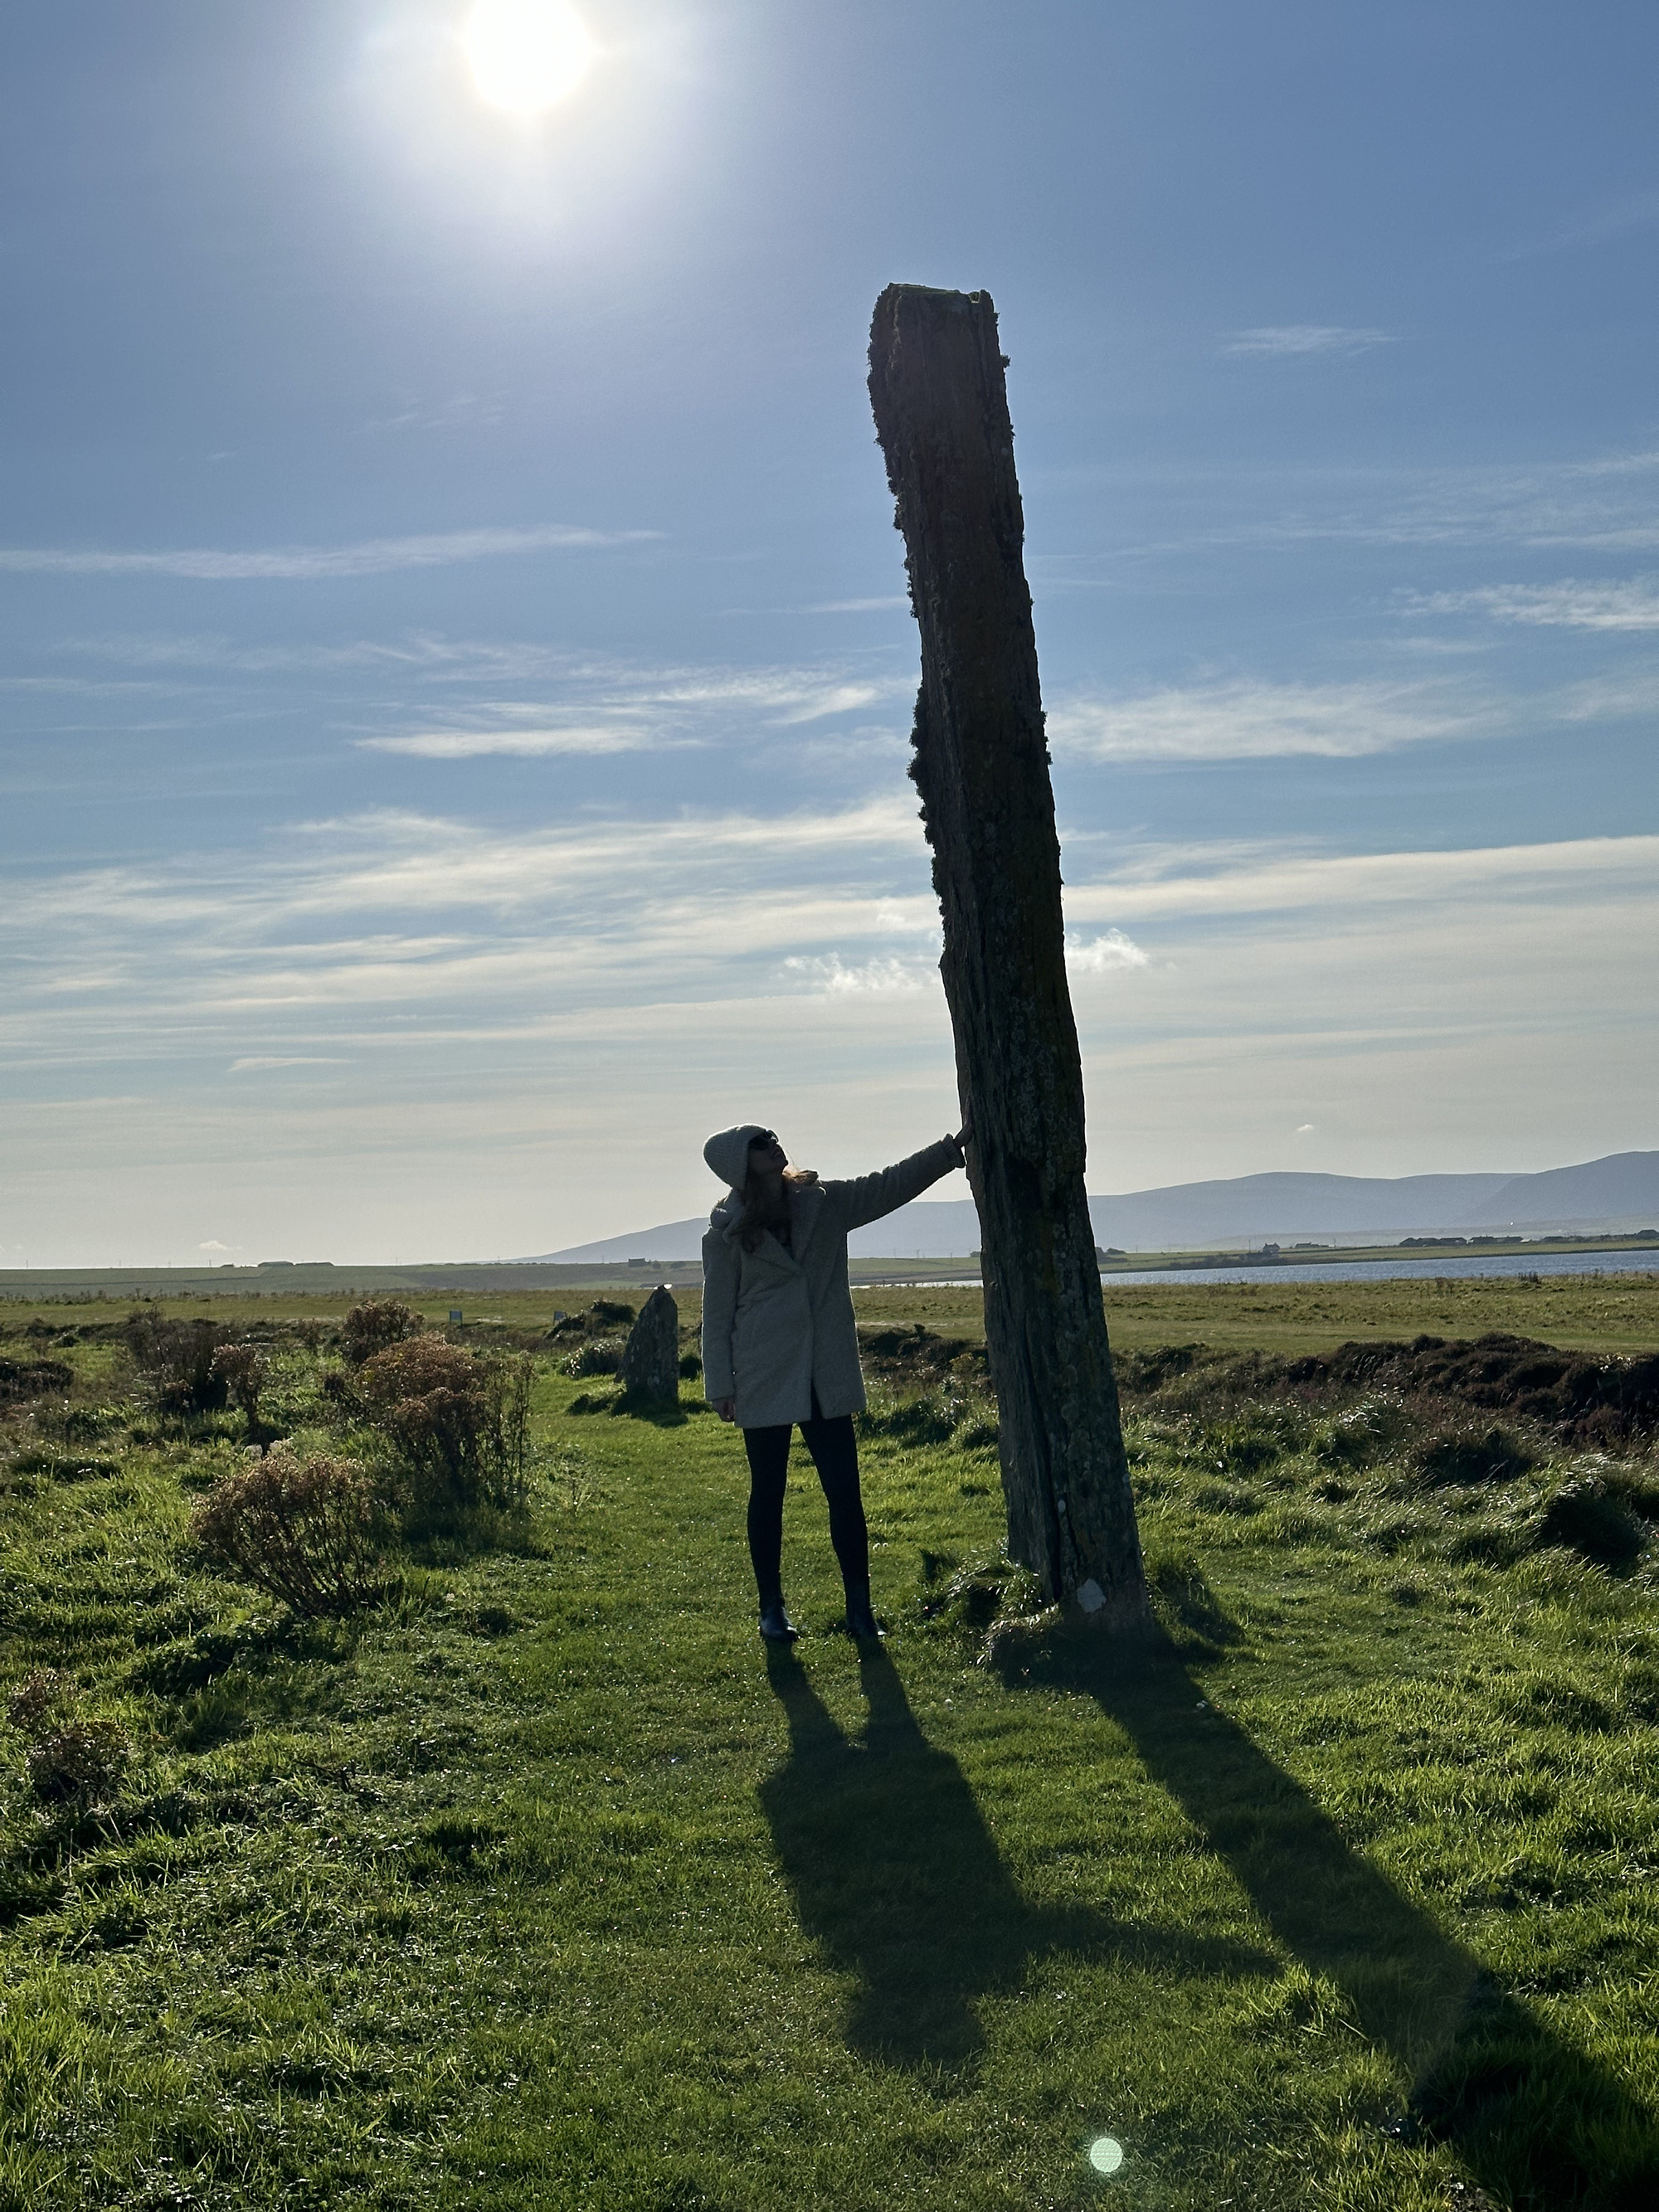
(786, 696)
(902, 916)
(424, 656)
(259, 1063)
(1602, 502)
(805, 692)
(615, 708)
(828, 973)
(1611, 698)
(1207, 882)
(1249, 719)
(1285, 341)
(509, 1002)
(858, 606)
(393, 932)
(462, 410)
(1639, 211)
(92, 685)
(425, 696)
(478, 744)
(1105, 955)
(371, 557)
(887, 603)
(1605, 504)
(389, 861)
(372, 933)
(1569, 604)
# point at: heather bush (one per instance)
(601, 1355)
(308, 1532)
(81, 1762)
(177, 1359)
(243, 1371)
(373, 1325)
(456, 1425)
(72, 1758)
(37, 1698)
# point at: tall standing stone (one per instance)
(981, 766)
(651, 1358)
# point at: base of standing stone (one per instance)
(1123, 1612)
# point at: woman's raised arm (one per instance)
(867, 1198)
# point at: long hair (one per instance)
(761, 1211)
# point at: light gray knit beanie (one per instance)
(728, 1152)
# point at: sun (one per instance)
(526, 55)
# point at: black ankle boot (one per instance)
(775, 1625)
(861, 1622)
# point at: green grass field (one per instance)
(1608, 1313)
(541, 1886)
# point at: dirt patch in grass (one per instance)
(918, 1355)
(1573, 1397)
(32, 1379)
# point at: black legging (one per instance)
(835, 1456)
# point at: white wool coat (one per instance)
(778, 1325)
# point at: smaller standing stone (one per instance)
(651, 1364)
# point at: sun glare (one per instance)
(526, 55)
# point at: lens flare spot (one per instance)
(526, 55)
(1105, 2154)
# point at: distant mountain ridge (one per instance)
(1621, 1191)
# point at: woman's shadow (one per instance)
(895, 1875)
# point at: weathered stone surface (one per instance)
(981, 766)
(651, 1361)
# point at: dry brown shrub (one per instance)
(243, 1371)
(603, 1355)
(375, 1323)
(177, 1358)
(458, 1425)
(308, 1532)
(71, 1758)
(36, 1697)
(81, 1762)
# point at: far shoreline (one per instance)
(1415, 1256)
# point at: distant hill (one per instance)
(1621, 1191)
(1622, 1186)
(1249, 1208)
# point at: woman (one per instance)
(779, 1345)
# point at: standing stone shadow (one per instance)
(1540, 2124)
(894, 1874)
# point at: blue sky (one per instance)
(454, 665)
